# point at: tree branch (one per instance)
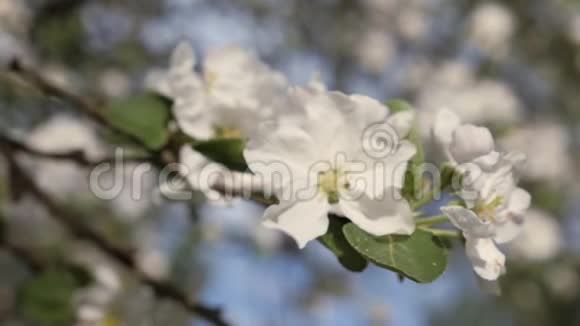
(77, 156)
(89, 108)
(122, 255)
(31, 261)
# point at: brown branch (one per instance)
(89, 108)
(31, 261)
(77, 156)
(123, 256)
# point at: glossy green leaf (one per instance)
(227, 151)
(420, 257)
(335, 241)
(144, 116)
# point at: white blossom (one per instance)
(234, 91)
(316, 157)
(114, 83)
(375, 50)
(494, 205)
(63, 133)
(548, 155)
(540, 239)
(232, 94)
(453, 85)
(491, 28)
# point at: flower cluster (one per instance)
(493, 204)
(322, 153)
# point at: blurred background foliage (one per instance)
(510, 65)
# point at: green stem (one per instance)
(426, 199)
(442, 233)
(432, 220)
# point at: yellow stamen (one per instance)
(210, 78)
(331, 182)
(488, 210)
(227, 132)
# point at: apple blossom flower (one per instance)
(318, 159)
(463, 143)
(496, 216)
(494, 204)
(234, 91)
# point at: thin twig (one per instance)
(89, 108)
(30, 260)
(77, 156)
(432, 220)
(442, 233)
(123, 256)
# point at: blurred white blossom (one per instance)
(491, 27)
(14, 16)
(412, 23)
(63, 133)
(375, 51)
(539, 240)
(549, 158)
(234, 91)
(562, 280)
(114, 83)
(453, 86)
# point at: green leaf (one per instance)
(420, 257)
(47, 298)
(335, 241)
(414, 176)
(144, 116)
(227, 151)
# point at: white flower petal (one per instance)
(302, 220)
(182, 58)
(487, 162)
(402, 122)
(200, 172)
(466, 220)
(379, 216)
(396, 164)
(519, 201)
(470, 142)
(284, 150)
(381, 174)
(445, 124)
(191, 117)
(540, 240)
(316, 84)
(513, 219)
(508, 230)
(488, 262)
(366, 109)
